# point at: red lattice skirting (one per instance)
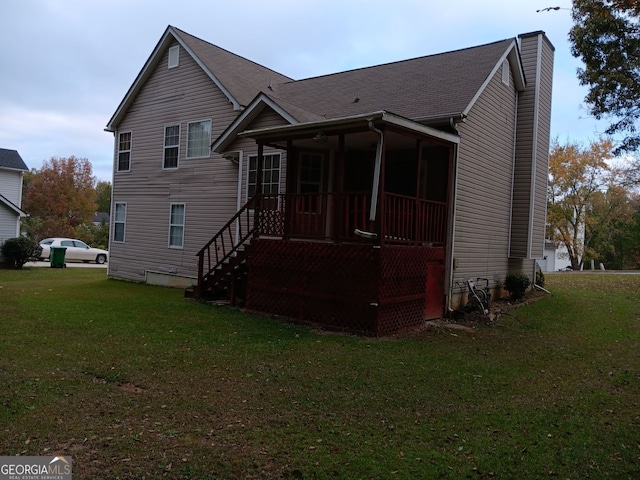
(353, 288)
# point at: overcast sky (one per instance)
(67, 64)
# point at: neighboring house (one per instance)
(12, 169)
(562, 260)
(101, 218)
(549, 259)
(360, 200)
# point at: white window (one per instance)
(171, 146)
(124, 152)
(270, 174)
(505, 72)
(199, 139)
(176, 225)
(119, 222)
(174, 56)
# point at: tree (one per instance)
(612, 240)
(103, 196)
(575, 179)
(59, 197)
(606, 37)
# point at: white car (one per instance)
(75, 250)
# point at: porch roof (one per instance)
(352, 123)
(11, 206)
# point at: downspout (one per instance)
(376, 173)
(452, 237)
(375, 187)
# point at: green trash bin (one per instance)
(56, 257)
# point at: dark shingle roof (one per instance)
(426, 87)
(241, 77)
(11, 159)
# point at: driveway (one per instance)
(69, 265)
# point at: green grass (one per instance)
(135, 381)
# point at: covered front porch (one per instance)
(380, 178)
(357, 241)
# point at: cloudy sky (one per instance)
(67, 64)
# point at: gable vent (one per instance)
(174, 56)
(505, 72)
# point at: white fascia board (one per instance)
(512, 54)
(418, 127)
(248, 114)
(385, 117)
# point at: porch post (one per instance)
(290, 183)
(418, 221)
(257, 205)
(260, 161)
(338, 204)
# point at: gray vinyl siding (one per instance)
(11, 189)
(11, 185)
(485, 166)
(9, 224)
(207, 186)
(266, 118)
(532, 150)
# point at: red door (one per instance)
(434, 299)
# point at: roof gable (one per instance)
(11, 159)
(238, 78)
(259, 103)
(289, 112)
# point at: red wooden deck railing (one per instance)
(412, 221)
(324, 216)
(225, 244)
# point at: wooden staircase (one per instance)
(222, 262)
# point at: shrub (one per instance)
(18, 251)
(516, 284)
(539, 277)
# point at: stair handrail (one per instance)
(220, 236)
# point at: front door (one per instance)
(310, 204)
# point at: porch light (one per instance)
(232, 157)
(320, 137)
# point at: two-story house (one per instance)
(360, 200)
(12, 169)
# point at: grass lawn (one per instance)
(135, 381)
